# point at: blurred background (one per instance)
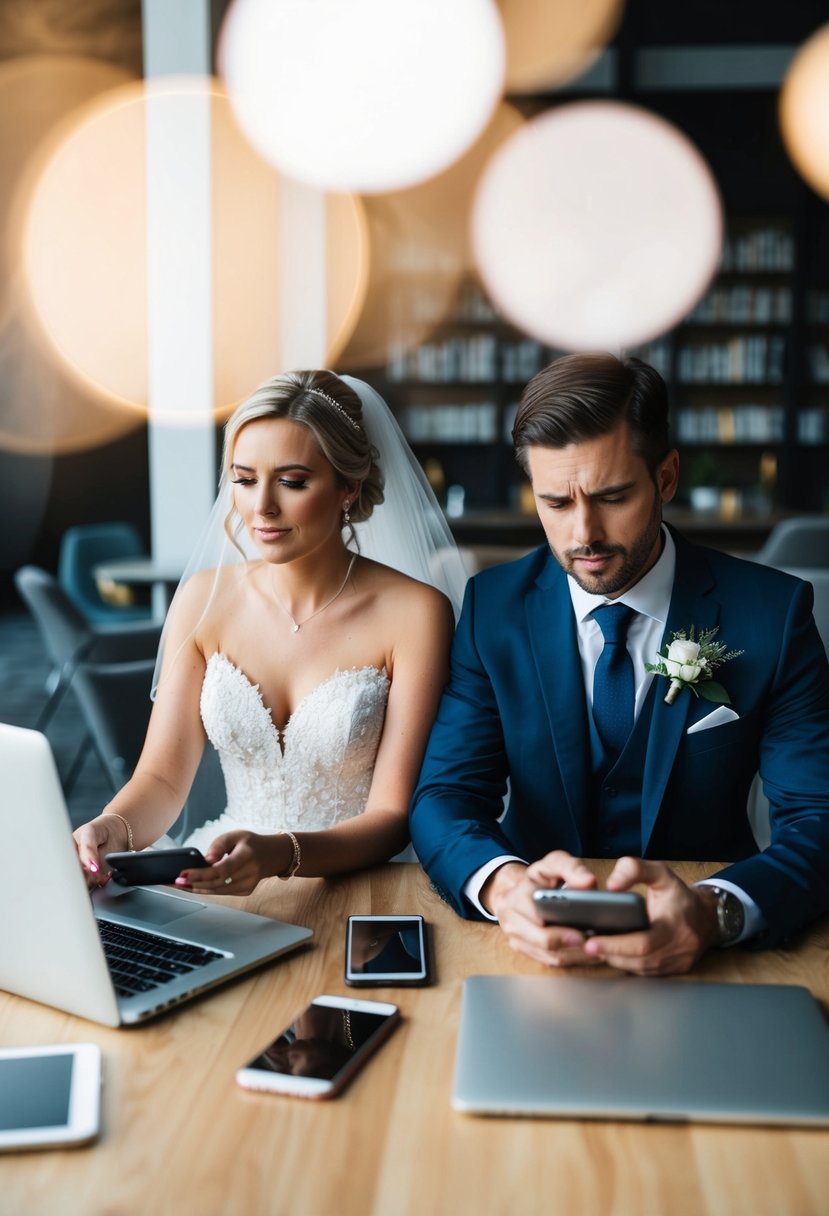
(437, 197)
(747, 364)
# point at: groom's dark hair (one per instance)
(580, 397)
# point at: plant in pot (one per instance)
(705, 482)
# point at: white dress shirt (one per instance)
(651, 599)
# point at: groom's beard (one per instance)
(636, 559)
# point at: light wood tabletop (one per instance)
(179, 1136)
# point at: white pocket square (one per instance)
(717, 717)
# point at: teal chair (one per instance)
(83, 548)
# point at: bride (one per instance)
(313, 668)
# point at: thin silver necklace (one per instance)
(297, 624)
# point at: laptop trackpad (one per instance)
(151, 907)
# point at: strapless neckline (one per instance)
(312, 773)
(280, 734)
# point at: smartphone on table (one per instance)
(50, 1097)
(325, 1045)
(592, 912)
(389, 950)
(152, 866)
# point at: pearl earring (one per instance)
(346, 516)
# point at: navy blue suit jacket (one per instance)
(513, 718)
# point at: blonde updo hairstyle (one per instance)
(338, 432)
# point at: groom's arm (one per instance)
(463, 780)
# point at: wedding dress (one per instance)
(312, 774)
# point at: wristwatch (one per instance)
(731, 915)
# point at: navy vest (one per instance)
(613, 825)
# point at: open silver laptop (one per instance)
(51, 945)
(645, 1049)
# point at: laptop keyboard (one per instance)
(140, 961)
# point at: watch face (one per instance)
(730, 916)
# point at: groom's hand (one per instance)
(683, 922)
(508, 895)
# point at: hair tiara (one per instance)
(326, 397)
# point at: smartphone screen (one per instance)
(49, 1095)
(323, 1047)
(386, 950)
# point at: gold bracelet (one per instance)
(115, 815)
(295, 860)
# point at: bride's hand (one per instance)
(238, 860)
(92, 841)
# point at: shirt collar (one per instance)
(651, 595)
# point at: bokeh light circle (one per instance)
(804, 111)
(550, 43)
(420, 252)
(598, 225)
(368, 96)
(42, 410)
(85, 250)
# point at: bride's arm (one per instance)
(153, 797)
(420, 624)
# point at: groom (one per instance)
(550, 702)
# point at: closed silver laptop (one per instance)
(644, 1049)
(166, 945)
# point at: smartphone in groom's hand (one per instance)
(593, 911)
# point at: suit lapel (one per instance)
(691, 604)
(555, 649)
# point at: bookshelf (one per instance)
(740, 412)
(813, 415)
(732, 373)
(735, 402)
(455, 396)
(812, 429)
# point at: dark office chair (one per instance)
(69, 639)
(800, 541)
(115, 702)
(84, 547)
(207, 798)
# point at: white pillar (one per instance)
(177, 42)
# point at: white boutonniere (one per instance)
(691, 664)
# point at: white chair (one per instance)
(802, 540)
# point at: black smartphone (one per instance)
(388, 950)
(152, 866)
(323, 1047)
(593, 911)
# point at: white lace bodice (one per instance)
(318, 773)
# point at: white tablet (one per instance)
(49, 1096)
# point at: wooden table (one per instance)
(180, 1137)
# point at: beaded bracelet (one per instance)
(115, 815)
(295, 860)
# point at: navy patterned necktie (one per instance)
(613, 684)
